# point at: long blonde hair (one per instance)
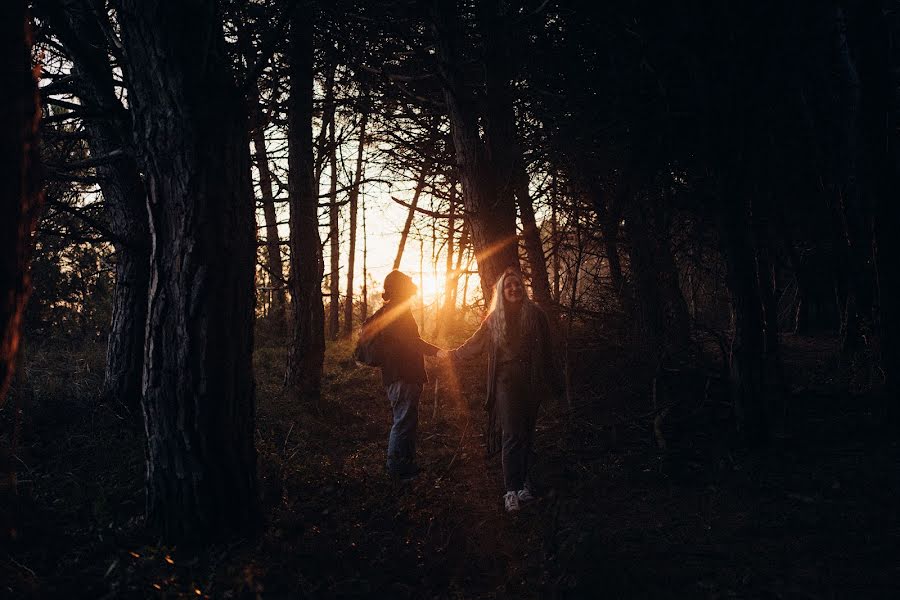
(497, 314)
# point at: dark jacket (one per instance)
(401, 351)
(545, 375)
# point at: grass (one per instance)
(811, 516)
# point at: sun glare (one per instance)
(431, 287)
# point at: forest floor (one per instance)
(814, 515)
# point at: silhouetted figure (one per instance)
(390, 340)
(521, 371)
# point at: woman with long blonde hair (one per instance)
(515, 335)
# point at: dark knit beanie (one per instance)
(398, 285)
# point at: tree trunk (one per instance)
(420, 185)
(354, 206)
(125, 200)
(610, 228)
(754, 368)
(199, 400)
(875, 26)
(534, 247)
(306, 354)
(258, 122)
(485, 167)
(554, 236)
(334, 234)
(274, 264)
(21, 196)
(446, 314)
(661, 311)
(364, 304)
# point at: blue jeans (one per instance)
(404, 398)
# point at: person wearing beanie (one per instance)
(400, 353)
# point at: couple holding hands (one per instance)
(514, 336)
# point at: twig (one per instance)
(459, 446)
(21, 566)
(286, 438)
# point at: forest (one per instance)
(449, 299)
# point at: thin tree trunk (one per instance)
(875, 26)
(199, 399)
(534, 247)
(554, 235)
(364, 304)
(125, 200)
(610, 217)
(354, 202)
(451, 279)
(306, 354)
(422, 281)
(273, 239)
(258, 122)
(334, 234)
(420, 185)
(21, 195)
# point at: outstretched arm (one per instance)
(426, 348)
(475, 345)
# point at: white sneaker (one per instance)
(525, 496)
(511, 501)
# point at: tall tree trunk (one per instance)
(306, 354)
(199, 399)
(77, 25)
(354, 207)
(875, 27)
(420, 185)
(364, 303)
(888, 210)
(274, 263)
(754, 368)
(258, 122)
(334, 233)
(446, 314)
(534, 247)
(610, 217)
(21, 196)
(661, 311)
(485, 166)
(554, 236)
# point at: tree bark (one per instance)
(258, 122)
(446, 316)
(660, 309)
(610, 217)
(534, 247)
(273, 239)
(21, 195)
(354, 207)
(306, 354)
(199, 400)
(754, 364)
(364, 302)
(875, 26)
(485, 166)
(334, 234)
(124, 195)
